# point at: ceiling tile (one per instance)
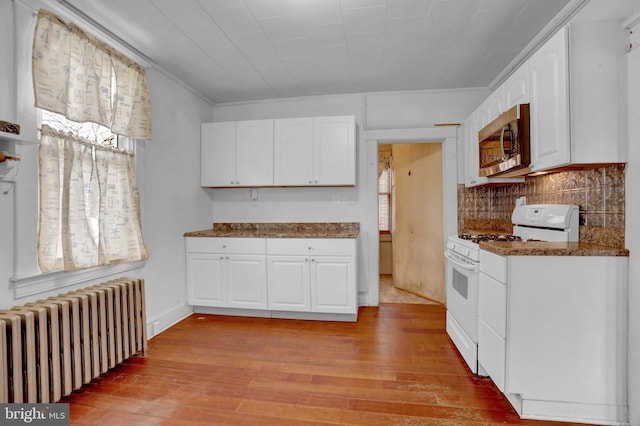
(218, 4)
(324, 35)
(282, 28)
(354, 4)
(273, 8)
(408, 8)
(251, 42)
(319, 12)
(236, 20)
(365, 42)
(291, 48)
(364, 20)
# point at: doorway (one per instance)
(410, 205)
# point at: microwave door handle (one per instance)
(504, 155)
(462, 265)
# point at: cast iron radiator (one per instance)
(51, 347)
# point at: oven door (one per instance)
(462, 280)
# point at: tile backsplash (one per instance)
(599, 193)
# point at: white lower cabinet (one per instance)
(552, 335)
(312, 275)
(303, 275)
(227, 272)
(288, 280)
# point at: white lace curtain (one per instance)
(82, 78)
(89, 206)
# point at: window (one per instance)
(89, 213)
(385, 185)
(93, 132)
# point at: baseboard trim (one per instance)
(162, 321)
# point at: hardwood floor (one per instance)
(395, 366)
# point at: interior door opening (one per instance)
(410, 206)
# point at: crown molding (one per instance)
(558, 22)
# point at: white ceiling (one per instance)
(237, 50)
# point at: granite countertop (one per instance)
(542, 248)
(280, 230)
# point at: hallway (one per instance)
(391, 294)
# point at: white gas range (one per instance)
(544, 222)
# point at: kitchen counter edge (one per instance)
(542, 248)
(280, 230)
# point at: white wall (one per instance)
(407, 116)
(173, 201)
(632, 237)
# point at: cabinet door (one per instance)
(333, 284)
(293, 152)
(246, 281)
(549, 92)
(218, 154)
(205, 280)
(334, 151)
(288, 283)
(493, 106)
(470, 140)
(254, 153)
(516, 88)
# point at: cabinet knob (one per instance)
(227, 258)
(310, 182)
(224, 246)
(306, 260)
(231, 182)
(221, 257)
(315, 181)
(313, 260)
(309, 248)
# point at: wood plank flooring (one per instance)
(395, 366)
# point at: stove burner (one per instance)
(476, 238)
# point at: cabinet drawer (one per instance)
(312, 246)
(493, 304)
(491, 354)
(493, 265)
(226, 245)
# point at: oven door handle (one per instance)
(458, 263)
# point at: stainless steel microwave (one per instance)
(504, 144)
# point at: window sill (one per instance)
(32, 285)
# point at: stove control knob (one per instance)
(467, 252)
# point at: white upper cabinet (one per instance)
(578, 94)
(237, 153)
(254, 153)
(334, 150)
(218, 154)
(293, 152)
(313, 151)
(550, 104)
(516, 88)
(598, 92)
